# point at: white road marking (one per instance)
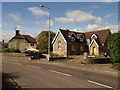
(103, 85)
(61, 73)
(32, 66)
(17, 63)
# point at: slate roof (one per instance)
(102, 35)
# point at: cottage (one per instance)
(22, 42)
(71, 42)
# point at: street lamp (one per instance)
(49, 30)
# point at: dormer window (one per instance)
(81, 38)
(72, 38)
(93, 36)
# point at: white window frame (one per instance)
(59, 44)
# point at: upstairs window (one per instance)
(32, 44)
(59, 44)
(93, 37)
(81, 38)
(72, 38)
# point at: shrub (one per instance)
(116, 66)
(114, 47)
(9, 50)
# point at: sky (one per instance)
(31, 19)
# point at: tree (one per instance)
(114, 47)
(43, 41)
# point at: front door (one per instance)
(94, 51)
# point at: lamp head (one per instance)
(41, 6)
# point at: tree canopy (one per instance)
(114, 47)
(43, 41)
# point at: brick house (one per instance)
(68, 42)
(22, 42)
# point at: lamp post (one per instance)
(49, 30)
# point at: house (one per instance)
(22, 42)
(68, 42)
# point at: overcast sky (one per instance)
(80, 16)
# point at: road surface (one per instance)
(29, 74)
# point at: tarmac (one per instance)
(99, 68)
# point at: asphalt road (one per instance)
(28, 74)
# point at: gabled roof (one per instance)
(102, 35)
(66, 34)
(28, 38)
(59, 31)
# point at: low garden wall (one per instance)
(17, 56)
(57, 58)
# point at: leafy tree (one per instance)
(43, 41)
(114, 47)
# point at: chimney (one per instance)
(17, 32)
(17, 28)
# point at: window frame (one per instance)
(59, 44)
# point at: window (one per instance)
(59, 44)
(72, 38)
(81, 39)
(32, 44)
(93, 37)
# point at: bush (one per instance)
(114, 47)
(116, 66)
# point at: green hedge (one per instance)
(114, 47)
(116, 66)
(11, 50)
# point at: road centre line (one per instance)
(17, 63)
(103, 85)
(61, 73)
